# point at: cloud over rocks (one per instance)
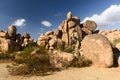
(108, 17)
(46, 23)
(19, 22)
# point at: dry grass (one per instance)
(81, 62)
(27, 63)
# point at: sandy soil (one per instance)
(88, 73)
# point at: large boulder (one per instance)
(90, 25)
(7, 45)
(97, 48)
(12, 32)
(61, 59)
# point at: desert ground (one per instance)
(87, 73)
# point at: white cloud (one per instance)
(46, 23)
(108, 17)
(19, 22)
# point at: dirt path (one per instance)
(88, 73)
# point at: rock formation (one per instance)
(111, 34)
(70, 33)
(11, 41)
(26, 39)
(61, 59)
(97, 48)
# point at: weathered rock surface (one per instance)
(97, 48)
(61, 59)
(12, 32)
(90, 25)
(7, 45)
(11, 40)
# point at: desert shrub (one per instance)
(6, 56)
(81, 62)
(35, 64)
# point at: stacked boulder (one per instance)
(88, 27)
(10, 40)
(26, 39)
(50, 40)
(83, 39)
(70, 33)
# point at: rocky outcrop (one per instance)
(26, 39)
(97, 48)
(110, 34)
(12, 32)
(10, 40)
(7, 45)
(70, 33)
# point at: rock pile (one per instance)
(26, 39)
(80, 37)
(10, 40)
(83, 39)
(70, 34)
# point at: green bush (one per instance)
(35, 64)
(81, 62)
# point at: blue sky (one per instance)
(39, 16)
